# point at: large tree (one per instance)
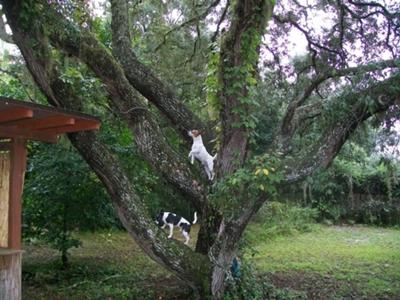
(349, 75)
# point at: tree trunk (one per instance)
(64, 238)
(209, 224)
(238, 64)
(227, 244)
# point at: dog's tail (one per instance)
(215, 156)
(195, 218)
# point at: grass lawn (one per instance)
(328, 263)
(109, 265)
(337, 262)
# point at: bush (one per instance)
(62, 195)
(278, 218)
(251, 286)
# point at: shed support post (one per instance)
(10, 274)
(17, 173)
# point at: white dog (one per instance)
(200, 152)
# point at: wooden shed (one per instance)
(21, 121)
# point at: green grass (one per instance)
(109, 265)
(356, 261)
(326, 263)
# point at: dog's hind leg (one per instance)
(209, 173)
(171, 230)
(210, 166)
(187, 236)
(191, 157)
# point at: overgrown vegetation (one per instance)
(362, 186)
(277, 219)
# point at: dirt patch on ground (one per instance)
(314, 285)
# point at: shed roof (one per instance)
(39, 122)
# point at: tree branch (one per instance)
(144, 80)
(196, 19)
(384, 94)
(3, 32)
(310, 41)
(288, 127)
(221, 19)
(385, 12)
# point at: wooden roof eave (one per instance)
(39, 122)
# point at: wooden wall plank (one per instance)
(10, 276)
(4, 196)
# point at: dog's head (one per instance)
(159, 219)
(194, 133)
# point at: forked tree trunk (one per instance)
(209, 224)
(227, 246)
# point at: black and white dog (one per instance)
(166, 218)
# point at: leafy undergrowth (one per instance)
(332, 262)
(326, 263)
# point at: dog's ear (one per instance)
(196, 132)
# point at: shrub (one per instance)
(61, 195)
(278, 218)
(252, 286)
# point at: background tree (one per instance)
(325, 98)
(61, 196)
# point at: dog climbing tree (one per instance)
(20, 122)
